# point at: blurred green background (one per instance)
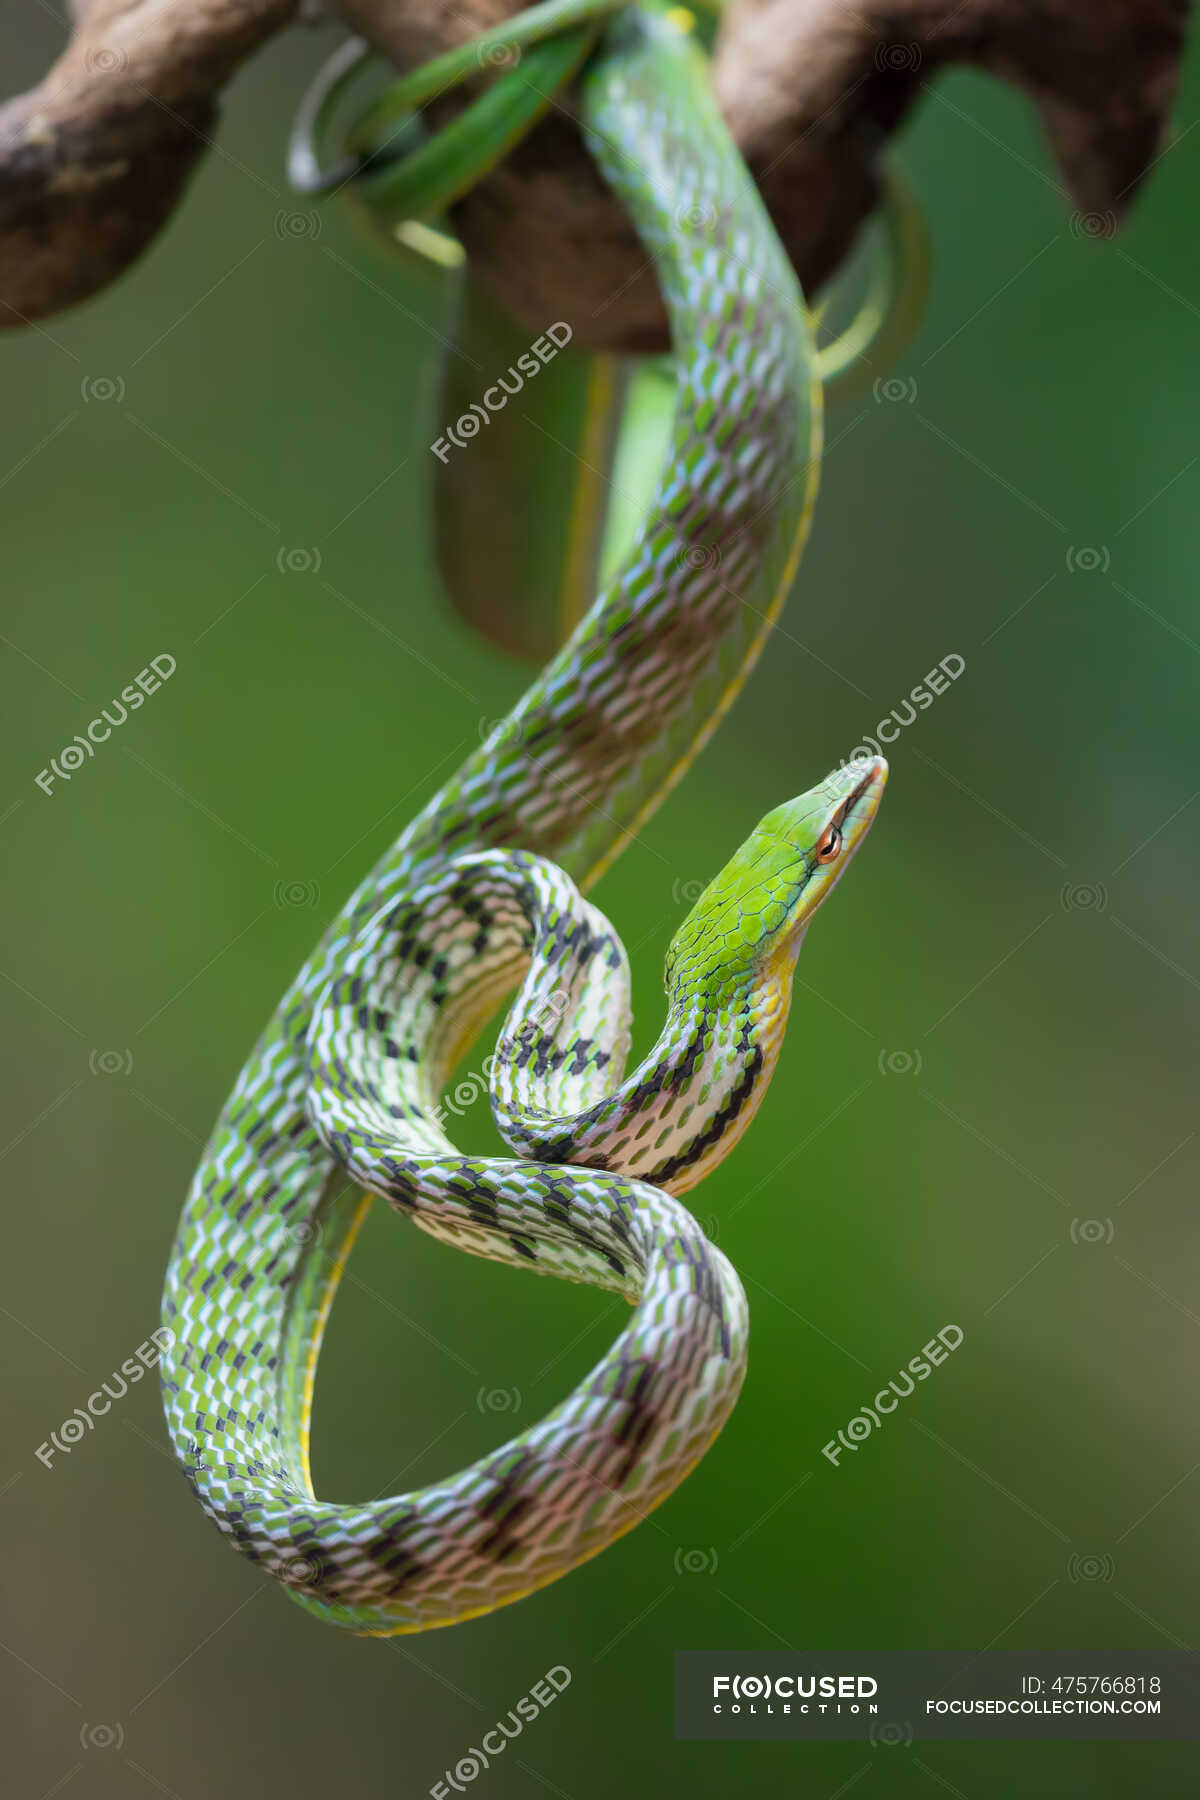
(984, 1115)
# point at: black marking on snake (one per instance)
(482, 1208)
(648, 1088)
(296, 1021)
(402, 1565)
(717, 1127)
(557, 1213)
(268, 1269)
(506, 1505)
(240, 1532)
(620, 1221)
(556, 1205)
(469, 903)
(530, 1045)
(688, 1062)
(635, 1382)
(705, 1285)
(483, 824)
(401, 1182)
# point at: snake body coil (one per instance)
(478, 896)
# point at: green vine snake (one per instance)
(481, 895)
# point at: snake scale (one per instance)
(481, 895)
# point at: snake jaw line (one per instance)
(766, 896)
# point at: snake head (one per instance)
(759, 907)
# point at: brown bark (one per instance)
(94, 160)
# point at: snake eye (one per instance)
(829, 845)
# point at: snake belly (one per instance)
(588, 753)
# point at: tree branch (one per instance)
(95, 159)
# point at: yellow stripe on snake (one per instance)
(479, 896)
